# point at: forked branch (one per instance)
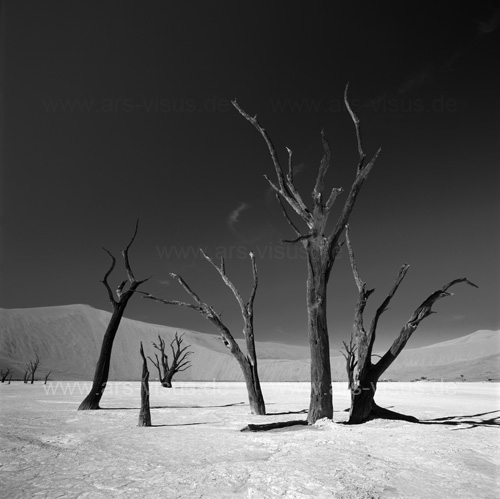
(122, 294)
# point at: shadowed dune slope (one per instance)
(68, 339)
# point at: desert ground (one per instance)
(195, 448)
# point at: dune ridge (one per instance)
(68, 338)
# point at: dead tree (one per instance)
(363, 372)
(248, 363)
(26, 376)
(31, 368)
(179, 363)
(4, 373)
(145, 412)
(350, 361)
(119, 304)
(46, 378)
(321, 245)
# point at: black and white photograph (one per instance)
(249, 249)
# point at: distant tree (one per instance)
(26, 375)
(179, 362)
(364, 373)
(91, 401)
(248, 363)
(31, 368)
(10, 378)
(145, 412)
(351, 362)
(46, 378)
(321, 245)
(4, 373)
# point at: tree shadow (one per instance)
(170, 407)
(459, 421)
(303, 411)
(185, 424)
(378, 412)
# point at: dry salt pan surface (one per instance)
(195, 448)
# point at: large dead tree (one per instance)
(119, 303)
(248, 363)
(321, 245)
(179, 363)
(363, 374)
(31, 368)
(145, 412)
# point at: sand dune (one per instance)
(68, 339)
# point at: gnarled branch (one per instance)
(106, 276)
(355, 120)
(128, 268)
(423, 311)
(285, 185)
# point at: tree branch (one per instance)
(184, 284)
(361, 175)
(359, 332)
(290, 166)
(288, 219)
(296, 240)
(351, 199)
(323, 168)
(130, 274)
(423, 311)
(359, 283)
(355, 120)
(333, 196)
(204, 309)
(255, 284)
(150, 296)
(227, 281)
(106, 275)
(383, 307)
(286, 188)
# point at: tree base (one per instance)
(378, 412)
(89, 405)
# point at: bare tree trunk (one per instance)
(362, 401)
(46, 378)
(322, 248)
(145, 413)
(91, 401)
(166, 382)
(255, 397)
(366, 376)
(321, 401)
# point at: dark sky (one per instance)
(119, 110)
